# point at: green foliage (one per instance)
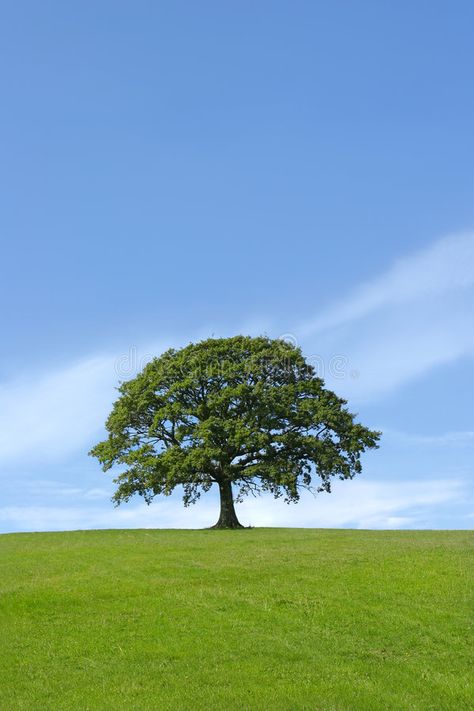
(250, 411)
(260, 619)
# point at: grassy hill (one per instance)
(270, 619)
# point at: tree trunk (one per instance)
(228, 517)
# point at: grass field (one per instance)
(270, 619)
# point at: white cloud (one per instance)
(402, 324)
(354, 504)
(50, 416)
(445, 266)
(360, 504)
(161, 514)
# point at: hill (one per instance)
(270, 619)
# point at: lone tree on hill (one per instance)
(248, 412)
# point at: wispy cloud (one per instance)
(416, 316)
(362, 504)
(444, 267)
(355, 504)
(49, 416)
(161, 514)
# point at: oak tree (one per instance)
(245, 414)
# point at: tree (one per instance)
(242, 411)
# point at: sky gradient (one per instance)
(172, 171)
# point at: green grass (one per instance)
(270, 619)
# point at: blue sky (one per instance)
(171, 171)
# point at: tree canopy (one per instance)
(247, 414)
